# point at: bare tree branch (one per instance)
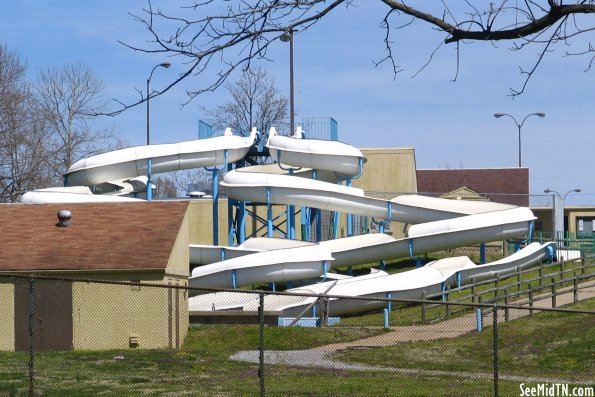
(212, 40)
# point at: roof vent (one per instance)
(64, 217)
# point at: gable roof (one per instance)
(464, 193)
(101, 236)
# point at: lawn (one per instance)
(546, 345)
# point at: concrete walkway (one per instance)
(320, 356)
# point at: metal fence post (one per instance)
(423, 308)
(506, 302)
(31, 335)
(553, 292)
(495, 336)
(473, 297)
(575, 289)
(261, 344)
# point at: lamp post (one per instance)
(558, 210)
(288, 37)
(149, 187)
(519, 125)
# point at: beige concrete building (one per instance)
(144, 245)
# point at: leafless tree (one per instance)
(70, 97)
(23, 157)
(165, 188)
(213, 39)
(255, 102)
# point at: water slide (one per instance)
(436, 224)
(306, 167)
(433, 278)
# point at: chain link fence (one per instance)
(71, 337)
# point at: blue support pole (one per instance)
(269, 214)
(290, 222)
(349, 216)
(386, 325)
(215, 207)
(443, 288)
(149, 185)
(325, 269)
(458, 275)
(336, 225)
(318, 216)
(389, 295)
(482, 253)
(479, 319)
(410, 243)
(215, 173)
(242, 222)
(305, 223)
(234, 279)
(382, 265)
(222, 254)
(318, 224)
(290, 217)
(231, 231)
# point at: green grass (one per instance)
(548, 345)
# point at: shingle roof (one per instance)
(101, 236)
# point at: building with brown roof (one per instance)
(144, 242)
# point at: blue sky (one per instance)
(450, 124)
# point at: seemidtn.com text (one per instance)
(556, 390)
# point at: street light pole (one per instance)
(150, 163)
(288, 37)
(558, 210)
(519, 125)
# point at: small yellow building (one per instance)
(133, 249)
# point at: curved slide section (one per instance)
(430, 279)
(133, 162)
(316, 154)
(291, 190)
(308, 261)
(434, 236)
(73, 194)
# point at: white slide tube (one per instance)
(133, 162)
(317, 154)
(291, 190)
(304, 262)
(430, 279)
